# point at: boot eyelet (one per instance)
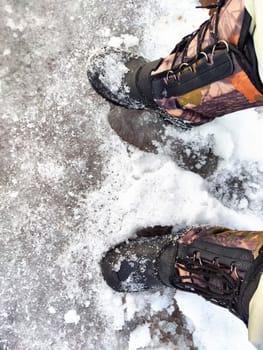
(216, 261)
(182, 68)
(202, 53)
(233, 267)
(233, 270)
(170, 75)
(197, 257)
(218, 43)
(185, 66)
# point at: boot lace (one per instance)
(183, 45)
(211, 279)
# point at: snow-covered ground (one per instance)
(70, 187)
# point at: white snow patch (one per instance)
(89, 275)
(6, 52)
(71, 317)
(140, 337)
(111, 302)
(50, 170)
(214, 327)
(106, 32)
(12, 25)
(8, 8)
(13, 194)
(4, 71)
(52, 310)
(125, 39)
(114, 73)
(167, 23)
(87, 303)
(241, 134)
(155, 301)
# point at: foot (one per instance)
(210, 73)
(214, 262)
(122, 78)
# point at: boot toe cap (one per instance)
(127, 273)
(134, 265)
(107, 72)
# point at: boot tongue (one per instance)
(166, 265)
(230, 21)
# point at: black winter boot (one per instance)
(210, 72)
(205, 260)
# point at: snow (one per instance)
(71, 317)
(157, 302)
(233, 334)
(114, 73)
(70, 188)
(51, 310)
(140, 337)
(124, 39)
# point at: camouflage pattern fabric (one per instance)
(210, 283)
(251, 240)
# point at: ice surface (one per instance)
(70, 188)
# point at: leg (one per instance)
(211, 72)
(222, 265)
